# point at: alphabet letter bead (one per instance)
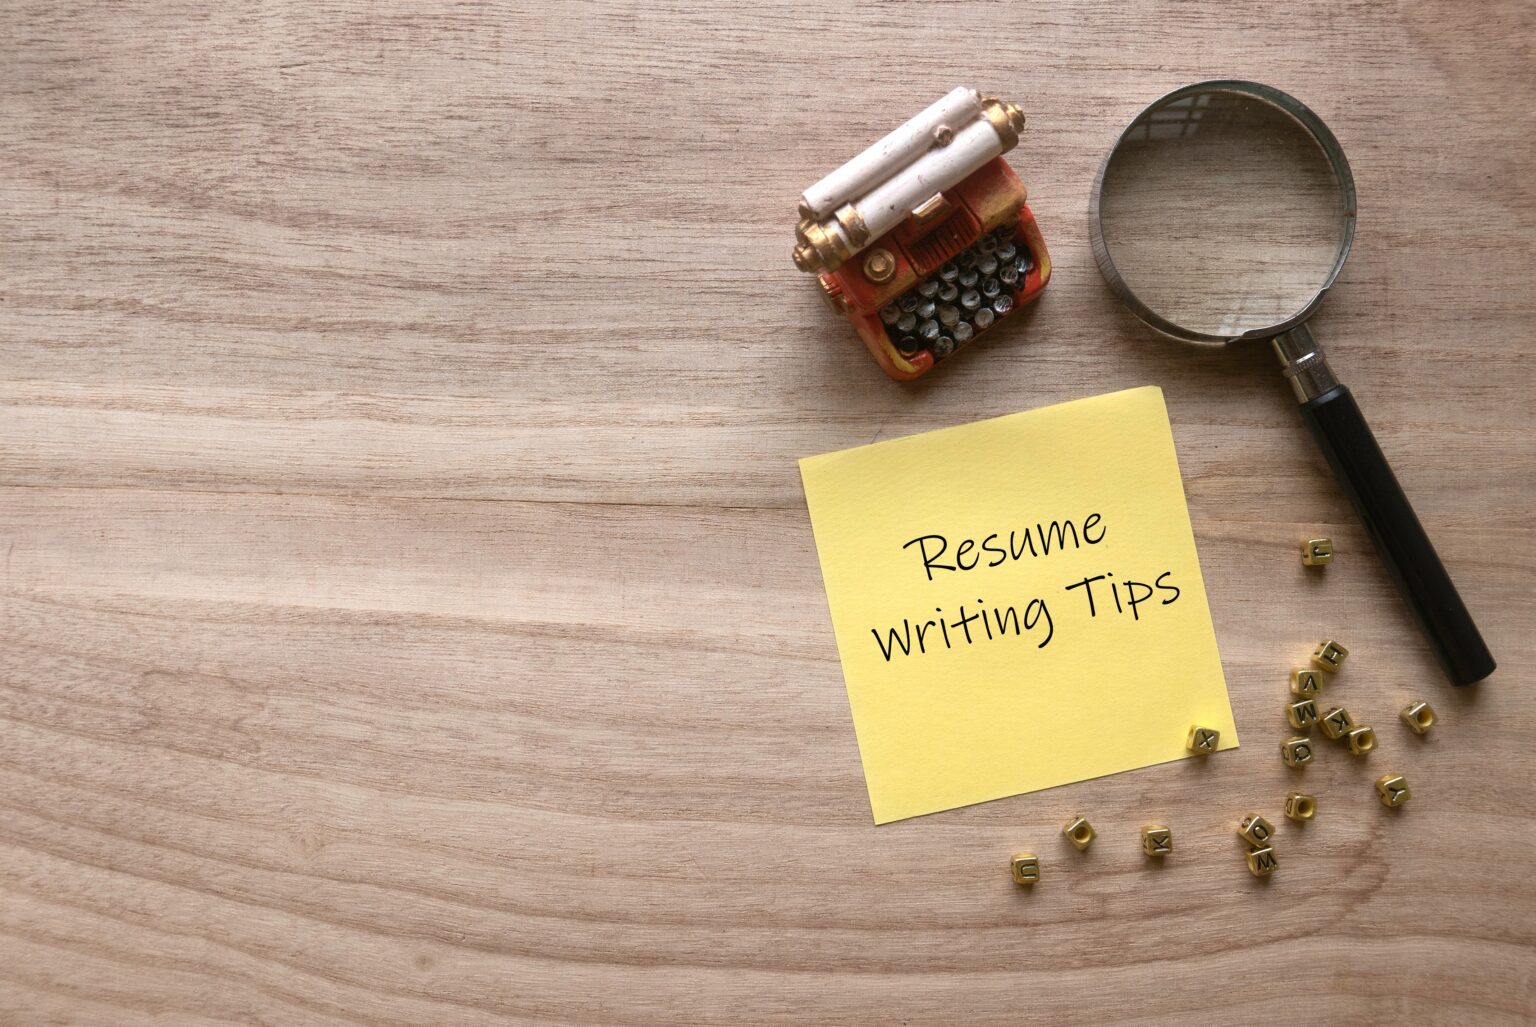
(1156, 840)
(1262, 862)
(1296, 751)
(1329, 656)
(1026, 868)
(1420, 717)
(1302, 714)
(1202, 741)
(1300, 806)
(1361, 740)
(1393, 789)
(1079, 832)
(1337, 723)
(1306, 683)
(1256, 831)
(1317, 552)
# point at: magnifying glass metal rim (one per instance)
(1331, 148)
(1330, 411)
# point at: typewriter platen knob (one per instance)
(1006, 118)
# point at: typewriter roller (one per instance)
(924, 240)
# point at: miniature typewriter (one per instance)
(924, 240)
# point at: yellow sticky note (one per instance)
(1017, 602)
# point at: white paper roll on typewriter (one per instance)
(878, 189)
(884, 207)
(898, 149)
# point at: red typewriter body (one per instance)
(925, 240)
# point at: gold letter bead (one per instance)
(1026, 868)
(1262, 862)
(1256, 831)
(1361, 740)
(1302, 714)
(1300, 806)
(1202, 741)
(1317, 552)
(1329, 656)
(1305, 682)
(1337, 723)
(1079, 832)
(1393, 789)
(1156, 840)
(1420, 717)
(1296, 751)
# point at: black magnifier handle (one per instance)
(1361, 468)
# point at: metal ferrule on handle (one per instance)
(1304, 365)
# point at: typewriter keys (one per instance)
(973, 292)
(965, 296)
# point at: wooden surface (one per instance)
(408, 610)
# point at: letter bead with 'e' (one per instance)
(1255, 830)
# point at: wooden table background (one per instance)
(409, 613)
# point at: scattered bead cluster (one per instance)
(1337, 724)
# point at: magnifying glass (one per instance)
(1223, 214)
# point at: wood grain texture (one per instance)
(408, 610)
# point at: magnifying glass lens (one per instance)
(1225, 211)
(1222, 213)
